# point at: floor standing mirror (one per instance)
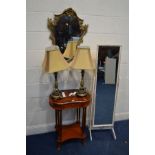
(106, 85)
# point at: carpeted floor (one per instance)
(102, 144)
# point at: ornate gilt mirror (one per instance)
(66, 27)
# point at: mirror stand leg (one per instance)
(90, 134)
(113, 133)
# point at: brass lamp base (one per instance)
(56, 94)
(81, 92)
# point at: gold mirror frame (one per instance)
(68, 12)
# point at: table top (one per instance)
(70, 101)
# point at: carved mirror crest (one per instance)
(65, 27)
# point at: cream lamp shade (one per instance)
(83, 59)
(54, 61)
(70, 49)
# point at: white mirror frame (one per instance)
(92, 125)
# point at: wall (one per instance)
(108, 25)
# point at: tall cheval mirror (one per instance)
(106, 85)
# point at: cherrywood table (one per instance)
(76, 129)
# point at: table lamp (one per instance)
(70, 50)
(82, 61)
(53, 63)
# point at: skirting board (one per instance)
(38, 129)
(44, 128)
(121, 116)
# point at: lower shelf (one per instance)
(72, 131)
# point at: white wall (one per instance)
(108, 24)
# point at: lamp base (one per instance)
(81, 92)
(56, 94)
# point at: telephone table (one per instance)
(76, 129)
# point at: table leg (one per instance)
(84, 119)
(59, 129)
(84, 123)
(56, 119)
(78, 114)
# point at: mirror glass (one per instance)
(107, 67)
(65, 27)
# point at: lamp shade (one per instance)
(54, 61)
(83, 59)
(70, 49)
